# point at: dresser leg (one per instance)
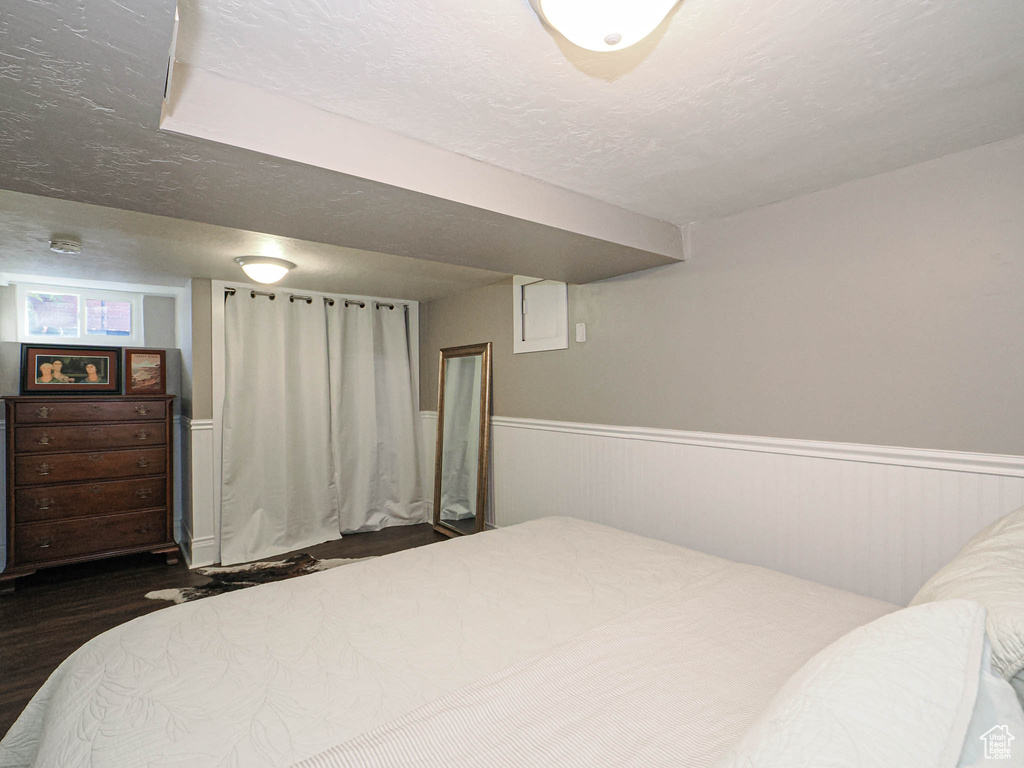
(7, 587)
(171, 553)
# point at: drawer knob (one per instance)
(144, 493)
(44, 503)
(97, 489)
(44, 543)
(44, 412)
(145, 528)
(142, 463)
(141, 410)
(94, 407)
(94, 431)
(44, 439)
(95, 456)
(142, 434)
(44, 469)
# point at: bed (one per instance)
(556, 640)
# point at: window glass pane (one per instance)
(52, 314)
(108, 318)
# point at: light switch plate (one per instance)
(581, 332)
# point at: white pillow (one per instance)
(997, 723)
(990, 569)
(899, 691)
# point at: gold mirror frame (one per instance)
(483, 454)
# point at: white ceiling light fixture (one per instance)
(265, 269)
(603, 25)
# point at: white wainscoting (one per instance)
(873, 520)
(200, 533)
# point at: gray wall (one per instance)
(10, 367)
(10, 370)
(158, 324)
(201, 404)
(887, 311)
(158, 313)
(158, 321)
(8, 313)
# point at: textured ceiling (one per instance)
(81, 84)
(729, 105)
(134, 247)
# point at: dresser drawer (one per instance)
(85, 438)
(57, 502)
(47, 468)
(39, 542)
(118, 410)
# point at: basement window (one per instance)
(60, 315)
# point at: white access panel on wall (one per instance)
(540, 311)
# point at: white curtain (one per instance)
(375, 435)
(459, 460)
(278, 489)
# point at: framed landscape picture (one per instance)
(145, 372)
(70, 370)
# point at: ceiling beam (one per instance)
(206, 106)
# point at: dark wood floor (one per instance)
(54, 611)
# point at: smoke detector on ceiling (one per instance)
(65, 246)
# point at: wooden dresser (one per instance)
(87, 478)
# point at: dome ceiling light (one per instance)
(603, 25)
(265, 269)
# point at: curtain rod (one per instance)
(309, 299)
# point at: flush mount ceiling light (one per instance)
(264, 269)
(603, 25)
(66, 246)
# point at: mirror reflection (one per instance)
(460, 483)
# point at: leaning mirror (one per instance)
(463, 439)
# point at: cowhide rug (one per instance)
(230, 578)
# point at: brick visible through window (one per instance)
(108, 318)
(52, 314)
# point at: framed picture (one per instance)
(47, 370)
(145, 372)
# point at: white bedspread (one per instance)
(673, 683)
(271, 675)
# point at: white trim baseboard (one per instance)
(203, 547)
(184, 531)
(924, 458)
(204, 552)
